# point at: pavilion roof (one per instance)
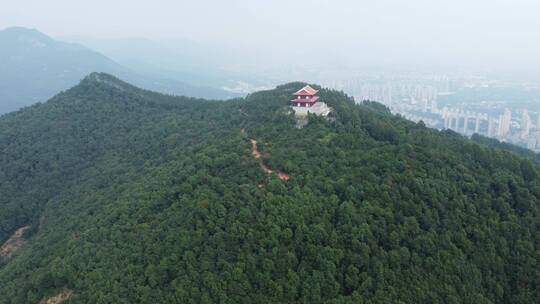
(307, 90)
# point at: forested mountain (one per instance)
(130, 196)
(34, 67)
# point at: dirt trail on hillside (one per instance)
(59, 298)
(257, 155)
(14, 243)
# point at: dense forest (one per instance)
(131, 196)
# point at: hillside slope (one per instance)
(34, 67)
(136, 197)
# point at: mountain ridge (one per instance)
(36, 67)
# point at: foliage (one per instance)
(492, 142)
(137, 197)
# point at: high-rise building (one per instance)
(491, 127)
(525, 124)
(424, 105)
(434, 106)
(533, 142)
(504, 124)
(477, 120)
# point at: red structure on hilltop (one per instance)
(305, 97)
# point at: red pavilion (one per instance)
(305, 97)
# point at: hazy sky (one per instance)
(505, 32)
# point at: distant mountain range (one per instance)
(194, 62)
(34, 67)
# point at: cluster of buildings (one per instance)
(518, 127)
(422, 97)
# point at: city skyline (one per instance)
(425, 97)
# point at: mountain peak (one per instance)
(101, 77)
(26, 35)
(21, 30)
(108, 79)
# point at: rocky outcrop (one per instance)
(59, 298)
(14, 243)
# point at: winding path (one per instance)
(257, 155)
